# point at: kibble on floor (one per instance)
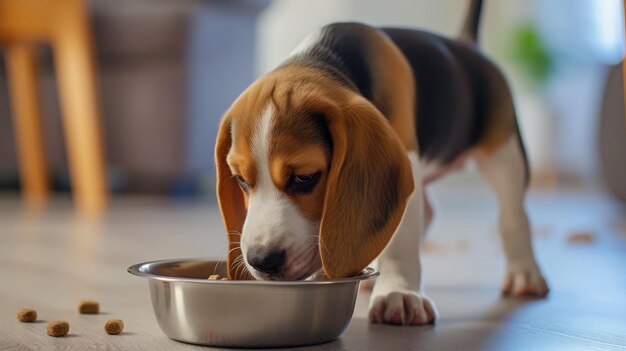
(114, 326)
(27, 315)
(58, 328)
(88, 307)
(581, 237)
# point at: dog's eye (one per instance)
(303, 183)
(242, 183)
(303, 179)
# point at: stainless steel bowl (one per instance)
(190, 308)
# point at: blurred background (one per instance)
(164, 72)
(109, 111)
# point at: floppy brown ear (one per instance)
(368, 186)
(231, 201)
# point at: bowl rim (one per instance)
(366, 274)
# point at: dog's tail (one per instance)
(469, 32)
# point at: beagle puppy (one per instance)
(322, 162)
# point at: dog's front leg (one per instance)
(398, 296)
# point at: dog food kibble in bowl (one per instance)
(58, 328)
(27, 315)
(89, 307)
(114, 326)
(215, 277)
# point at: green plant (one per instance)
(530, 55)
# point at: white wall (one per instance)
(286, 22)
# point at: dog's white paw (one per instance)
(402, 308)
(524, 280)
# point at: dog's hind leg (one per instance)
(506, 171)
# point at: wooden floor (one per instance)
(50, 260)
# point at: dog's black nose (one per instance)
(270, 262)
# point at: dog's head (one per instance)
(310, 175)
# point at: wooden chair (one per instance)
(64, 25)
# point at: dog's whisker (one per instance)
(220, 247)
(242, 267)
(235, 232)
(220, 262)
(236, 247)
(216, 267)
(233, 249)
(236, 261)
(239, 265)
(321, 242)
(236, 270)
(227, 253)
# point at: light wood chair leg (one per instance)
(21, 65)
(80, 110)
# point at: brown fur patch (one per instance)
(230, 198)
(393, 92)
(367, 190)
